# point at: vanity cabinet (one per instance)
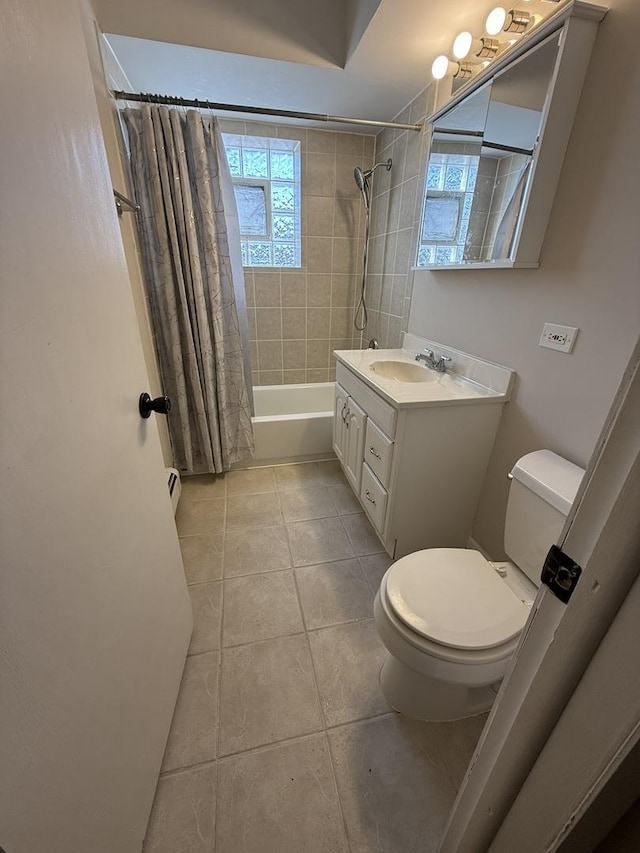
(416, 470)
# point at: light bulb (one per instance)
(462, 45)
(440, 67)
(495, 20)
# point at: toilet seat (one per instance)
(454, 598)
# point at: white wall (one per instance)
(588, 277)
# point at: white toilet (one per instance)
(450, 619)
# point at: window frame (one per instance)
(242, 141)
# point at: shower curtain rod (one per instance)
(169, 100)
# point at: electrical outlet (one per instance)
(556, 337)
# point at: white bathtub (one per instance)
(293, 421)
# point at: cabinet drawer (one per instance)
(378, 452)
(373, 497)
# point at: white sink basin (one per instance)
(404, 371)
(403, 382)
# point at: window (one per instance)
(451, 180)
(266, 178)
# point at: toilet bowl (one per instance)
(450, 619)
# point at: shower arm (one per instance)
(369, 173)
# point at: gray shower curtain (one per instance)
(178, 167)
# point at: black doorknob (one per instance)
(161, 405)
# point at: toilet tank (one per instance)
(542, 491)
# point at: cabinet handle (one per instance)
(346, 418)
(367, 495)
(373, 452)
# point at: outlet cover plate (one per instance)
(561, 338)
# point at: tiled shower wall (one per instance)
(297, 317)
(397, 197)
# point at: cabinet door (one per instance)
(354, 445)
(339, 422)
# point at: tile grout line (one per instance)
(351, 542)
(308, 645)
(313, 630)
(263, 747)
(334, 773)
(286, 535)
(284, 568)
(189, 500)
(313, 665)
(177, 770)
(374, 589)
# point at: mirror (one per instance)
(481, 162)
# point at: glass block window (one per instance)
(450, 182)
(255, 163)
(266, 178)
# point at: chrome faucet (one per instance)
(435, 362)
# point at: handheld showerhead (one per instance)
(363, 179)
(363, 182)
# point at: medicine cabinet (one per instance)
(497, 147)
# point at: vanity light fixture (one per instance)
(499, 20)
(480, 52)
(482, 48)
(443, 66)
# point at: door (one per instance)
(94, 613)
(339, 422)
(356, 422)
(568, 710)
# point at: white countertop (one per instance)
(449, 388)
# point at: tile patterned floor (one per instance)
(281, 740)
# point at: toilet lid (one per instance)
(456, 598)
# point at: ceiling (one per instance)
(360, 58)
